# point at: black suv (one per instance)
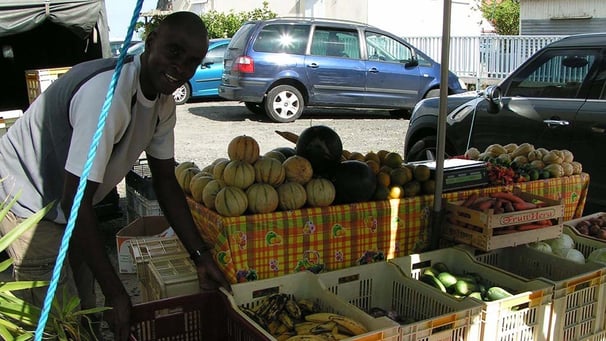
(555, 100)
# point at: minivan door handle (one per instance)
(373, 70)
(556, 123)
(313, 65)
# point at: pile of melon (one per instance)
(539, 162)
(318, 172)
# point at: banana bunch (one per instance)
(301, 320)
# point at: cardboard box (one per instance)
(144, 227)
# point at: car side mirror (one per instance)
(492, 94)
(412, 62)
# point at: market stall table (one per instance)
(261, 246)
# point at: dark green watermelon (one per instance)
(286, 151)
(354, 182)
(323, 148)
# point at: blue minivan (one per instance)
(280, 66)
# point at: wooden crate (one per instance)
(487, 230)
(38, 80)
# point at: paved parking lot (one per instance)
(204, 129)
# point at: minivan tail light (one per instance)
(244, 64)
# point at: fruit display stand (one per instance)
(579, 290)
(523, 316)
(424, 314)
(305, 285)
(260, 246)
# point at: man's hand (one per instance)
(210, 276)
(119, 316)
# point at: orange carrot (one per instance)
(482, 205)
(507, 196)
(521, 206)
(527, 227)
(470, 200)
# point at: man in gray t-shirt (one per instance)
(44, 152)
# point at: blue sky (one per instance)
(119, 14)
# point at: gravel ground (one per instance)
(205, 128)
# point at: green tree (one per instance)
(504, 15)
(225, 25)
(219, 24)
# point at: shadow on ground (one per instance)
(226, 111)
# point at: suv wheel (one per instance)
(182, 94)
(425, 149)
(255, 108)
(284, 104)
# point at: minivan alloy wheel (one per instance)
(284, 104)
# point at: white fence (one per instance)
(483, 60)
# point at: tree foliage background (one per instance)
(219, 24)
(504, 15)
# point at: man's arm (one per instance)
(87, 243)
(174, 206)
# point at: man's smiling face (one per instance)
(172, 54)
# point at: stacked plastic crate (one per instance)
(140, 196)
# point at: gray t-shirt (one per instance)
(56, 132)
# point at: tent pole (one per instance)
(437, 218)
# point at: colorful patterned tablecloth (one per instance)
(318, 239)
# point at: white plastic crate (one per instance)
(584, 243)
(145, 249)
(139, 206)
(579, 299)
(587, 243)
(170, 277)
(302, 285)
(436, 316)
(524, 316)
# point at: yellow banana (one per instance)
(304, 327)
(293, 309)
(319, 317)
(284, 336)
(306, 338)
(349, 325)
(286, 320)
(325, 327)
(338, 336)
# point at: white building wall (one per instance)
(424, 18)
(401, 17)
(562, 9)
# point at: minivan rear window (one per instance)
(282, 38)
(238, 41)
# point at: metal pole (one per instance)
(436, 221)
